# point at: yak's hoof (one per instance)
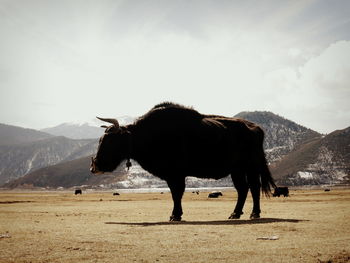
(235, 215)
(175, 218)
(254, 215)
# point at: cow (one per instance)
(281, 191)
(78, 191)
(116, 193)
(172, 142)
(214, 194)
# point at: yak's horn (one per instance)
(113, 121)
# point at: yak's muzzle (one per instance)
(93, 167)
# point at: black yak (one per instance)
(214, 194)
(281, 191)
(172, 142)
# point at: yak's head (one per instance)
(113, 148)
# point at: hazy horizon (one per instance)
(69, 61)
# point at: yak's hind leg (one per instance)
(255, 186)
(241, 185)
(177, 188)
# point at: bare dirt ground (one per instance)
(308, 226)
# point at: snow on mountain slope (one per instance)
(324, 160)
(281, 135)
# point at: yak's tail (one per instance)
(267, 181)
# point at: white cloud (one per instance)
(329, 72)
(317, 93)
(72, 60)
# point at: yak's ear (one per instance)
(104, 126)
(112, 129)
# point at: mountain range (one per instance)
(281, 135)
(20, 159)
(60, 156)
(12, 135)
(74, 131)
(84, 130)
(324, 160)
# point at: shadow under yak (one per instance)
(219, 222)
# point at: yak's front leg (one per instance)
(177, 188)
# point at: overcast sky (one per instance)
(70, 60)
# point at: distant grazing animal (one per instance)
(214, 195)
(78, 191)
(281, 191)
(116, 193)
(327, 190)
(172, 142)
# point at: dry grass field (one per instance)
(308, 226)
